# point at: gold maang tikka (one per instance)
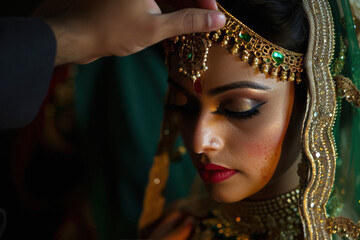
(271, 59)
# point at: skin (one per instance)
(252, 146)
(88, 30)
(265, 149)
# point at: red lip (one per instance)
(212, 173)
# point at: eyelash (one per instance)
(238, 115)
(188, 109)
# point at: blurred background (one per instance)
(80, 169)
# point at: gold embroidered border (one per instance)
(318, 140)
(343, 227)
(346, 89)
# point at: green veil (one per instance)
(345, 198)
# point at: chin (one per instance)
(222, 195)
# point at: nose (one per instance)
(206, 137)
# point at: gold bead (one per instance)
(224, 43)
(265, 68)
(284, 76)
(255, 62)
(292, 77)
(156, 181)
(245, 55)
(274, 72)
(235, 49)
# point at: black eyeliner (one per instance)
(240, 115)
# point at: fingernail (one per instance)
(216, 20)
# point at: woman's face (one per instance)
(233, 131)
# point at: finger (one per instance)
(188, 21)
(181, 232)
(167, 224)
(152, 7)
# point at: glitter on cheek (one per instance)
(263, 159)
(271, 162)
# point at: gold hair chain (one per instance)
(271, 59)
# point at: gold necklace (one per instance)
(276, 218)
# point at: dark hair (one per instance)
(282, 22)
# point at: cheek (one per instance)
(264, 154)
(264, 142)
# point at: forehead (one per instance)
(225, 68)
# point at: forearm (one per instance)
(74, 42)
(87, 30)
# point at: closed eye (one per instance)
(239, 114)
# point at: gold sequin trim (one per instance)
(343, 227)
(346, 89)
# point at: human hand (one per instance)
(175, 226)
(89, 29)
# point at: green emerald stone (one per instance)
(189, 56)
(245, 36)
(278, 57)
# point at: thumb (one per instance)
(188, 21)
(182, 232)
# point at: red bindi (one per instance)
(197, 86)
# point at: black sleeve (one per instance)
(2, 221)
(27, 55)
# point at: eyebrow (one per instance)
(240, 84)
(224, 88)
